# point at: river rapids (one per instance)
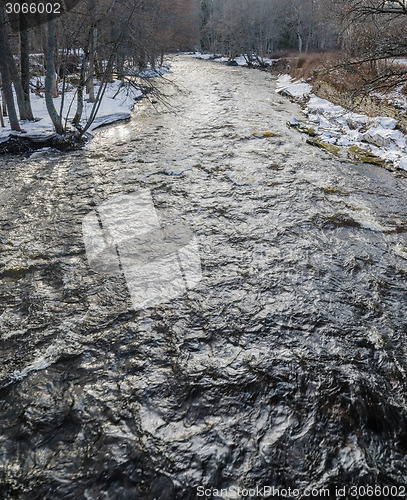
(284, 366)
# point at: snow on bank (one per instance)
(338, 126)
(286, 86)
(240, 61)
(113, 108)
(148, 72)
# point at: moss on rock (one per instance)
(364, 156)
(330, 148)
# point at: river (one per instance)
(284, 366)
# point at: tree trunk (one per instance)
(1, 114)
(5, 76)
(8, 94)
(15, 78)
(120, 66)
(54, 85)
(79, 106)
(3, 103)
(299, 43)
(25, 66)
(91, 85)
(49, 76)
(310, 31)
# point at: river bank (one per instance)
(364, 138)
(117, 105)
(294, 337)
(368, 129)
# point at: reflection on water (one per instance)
(285, 366)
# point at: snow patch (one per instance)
(117, 104)
(338, 126)
(148, 72)
(240, 60)
(292, 88)
(403, 163)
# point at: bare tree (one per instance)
(5, 74)
(49, 77)
(259, 27)
(23, 101)
(106, 39)
(375, 38)
(25, 66)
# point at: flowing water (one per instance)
(285, 366)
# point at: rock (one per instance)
(266, 133)
(384, 122)
(378, 137)
(364, 156)
(330, 148)
(42, 152)
(285, 93)
(17, 144)
(403, 163)
(294, 122)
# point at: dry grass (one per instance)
(342, 84)
(332, 68)
(312, 65)
(305, 66)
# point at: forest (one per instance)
(99, 41)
